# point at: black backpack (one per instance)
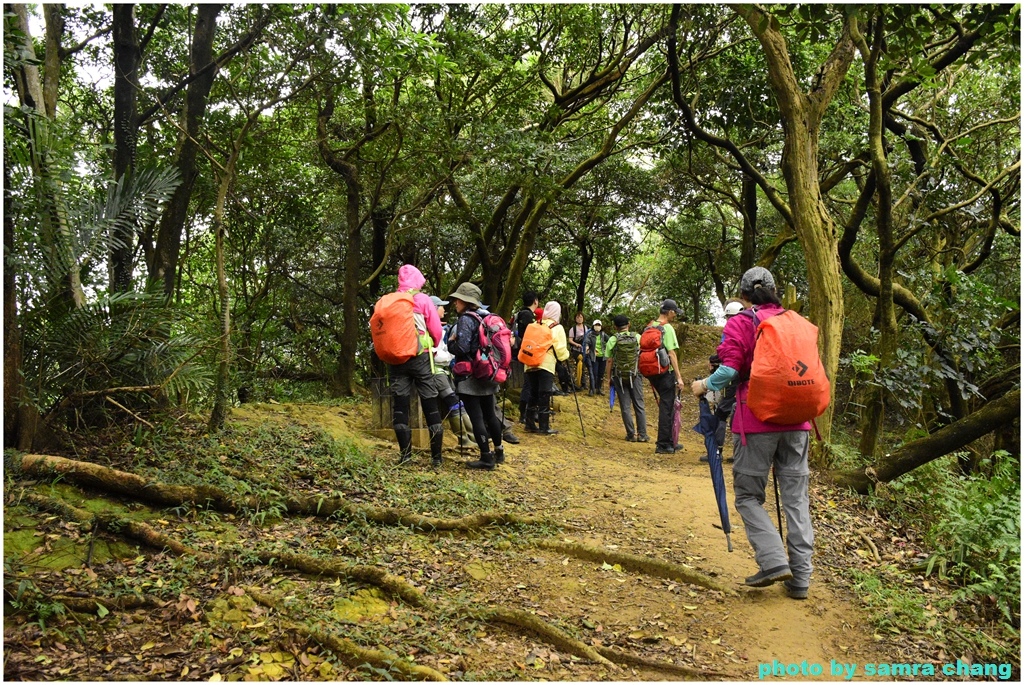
(625, 354)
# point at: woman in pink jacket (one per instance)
(418, 371)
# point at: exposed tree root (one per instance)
(634, 660)
(348, 651)
(546, 631)
(370, 575)
(637, 564)
(140, 488)
(116, 525)
(90, 605)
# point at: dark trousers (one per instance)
(487, 426)
(600, 363)
(542, 386)
(665, 388)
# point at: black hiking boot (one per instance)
(499, 455)
(485, 463)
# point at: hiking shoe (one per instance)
(499, 455)
(435, 463)
(664, 450)
(795, 591)
(404, 459)
(510, 437)
(643, 438)
(766, 578)
(704, 459)
(630, 438)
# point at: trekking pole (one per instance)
(578, 412)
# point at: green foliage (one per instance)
(977, 534)
(124, 340)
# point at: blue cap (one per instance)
(438, 302)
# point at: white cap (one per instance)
(597, 322)
(733, 308)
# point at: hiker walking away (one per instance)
(623, 351)
(759, 445)
(541, 378)
(659, 364)
(449, 404)
(595, 349)
(523, 318)
(477, 394)
(575, 338)
(405, 326)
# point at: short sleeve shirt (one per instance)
(668, 339)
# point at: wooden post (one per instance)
(380, 422)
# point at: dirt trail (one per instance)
(621, 496)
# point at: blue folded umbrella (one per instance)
(708, 427)
(611, 396)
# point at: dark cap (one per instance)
(620, 320)
(670, 306)
(757, 276)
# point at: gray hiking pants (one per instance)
(631, 400)
(753, 461)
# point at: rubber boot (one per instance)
(404, 435)
(499, 455)
(531, 419)
(485, 463)
(545, 423)
(436, 444)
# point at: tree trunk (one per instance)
(221, 394)
(54, 16)
(14, 388)
(586, 260)
(344, 376)
(168, 241)
(955, 436)
(748, 248)
(53, 219)
(127, 56)
(801, 119)
(885, 315)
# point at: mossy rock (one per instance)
(235, 611)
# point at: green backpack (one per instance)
(625, 354)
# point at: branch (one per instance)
(243, 44)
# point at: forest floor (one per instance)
(244, 617)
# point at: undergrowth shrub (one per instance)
(976, 535)
(972, 525)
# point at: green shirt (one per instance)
(669, 338)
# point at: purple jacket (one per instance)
(410, 278)
(737, 352)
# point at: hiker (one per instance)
(623, 350)
(541, 378)
(575, 337)
(523, 318)
(759, 445)
(450, 406)
(506, 426)
(659, 364)
(594, 349)
(477, 394)
(732, 308)
(389, 326)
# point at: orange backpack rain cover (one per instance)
(393, 329)
(788, 384)
(537, 340)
